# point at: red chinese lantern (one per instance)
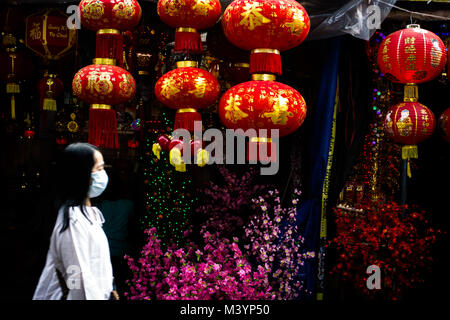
(103, 84)
(188, 17)
(266, 28)
(411, 55)
(50, 88)
(444, 124)
(263, 104)
(47, 34)
(409, 123)
(187, 89)
(109, 18)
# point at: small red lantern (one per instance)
(187, 17)
(47, 34)
(409, 123)
(411, 55)
(187, 88)
(50, 88)
(266, 28)
(444, 124)
(103, 84)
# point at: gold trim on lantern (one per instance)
(263, 77)
(185, 110)
(183, 29)
(240, 65)
(260, 139)
(99, 106)
(412, 26)
(411, 92)
(188, 63)
(105, 61)
(265, 50)
(108, 31)
(143, 73)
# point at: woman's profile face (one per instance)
(99, 162)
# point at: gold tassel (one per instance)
(409, 152)
(13, 107)
(49, 104)
(156, 148)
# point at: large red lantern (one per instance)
(409, 123)
(189, 16)
(109, 18)
(444, 124)
(262, 104)
(47, 34)
(411, 55)
(102, 85)
(266, 28)
(187, 88)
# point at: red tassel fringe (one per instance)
(186, 120)
(103, 128)
(254, 155)
(262, 62)
(110, 45)
(188, 42)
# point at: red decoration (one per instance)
(187, 88)
(47, 34)
(110, 14)
(409, 123)
(50, 88)
(133, 143)
(265, 27)
(187, 17)
(444, 124)
(411, 55)
(263, 105)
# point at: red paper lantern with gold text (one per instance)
(186, 89)
(262, 104)
(189, 16)
(266, 28)
(411, 55)
(109, 18)
(47, 34)
(444, 124)
(103, 85)
(409, 123)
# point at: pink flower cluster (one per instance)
(275, 246)
(217, 271)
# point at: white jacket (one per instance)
(81, 254)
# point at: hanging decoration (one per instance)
(188, 17)
(50, 88)
(109, 18)
(444, 124)
(47, 34)
(266, 28)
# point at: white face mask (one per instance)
(99, 183)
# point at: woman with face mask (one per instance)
(78, 265)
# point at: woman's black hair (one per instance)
(73, 178)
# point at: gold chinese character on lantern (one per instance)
(233, 113)
(252, 16)
(280, 112)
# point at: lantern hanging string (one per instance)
(414, 12)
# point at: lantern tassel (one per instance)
(265, 61)
(255, 144)
(109, 44)
(185, 118)
(188, 40)
(13, 108)
(409, 152)
(103, 128)
(49, 104)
